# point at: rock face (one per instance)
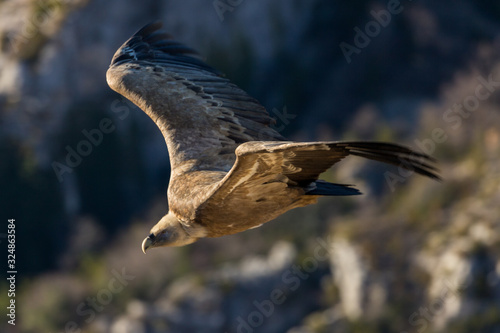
(410, 255)
(350, 278)
(260, 294)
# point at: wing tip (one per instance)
(149, 28)
(152, 44)
(396, 154)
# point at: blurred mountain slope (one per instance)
(396, 250)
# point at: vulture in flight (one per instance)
(230, 170)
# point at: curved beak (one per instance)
(147, 243)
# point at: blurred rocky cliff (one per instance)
(410, 255)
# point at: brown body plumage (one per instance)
(230, 170)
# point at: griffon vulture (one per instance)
(230, 170)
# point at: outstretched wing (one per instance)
(270, 178)
(202, 115)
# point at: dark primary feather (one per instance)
(394, 154)
(150, 43)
